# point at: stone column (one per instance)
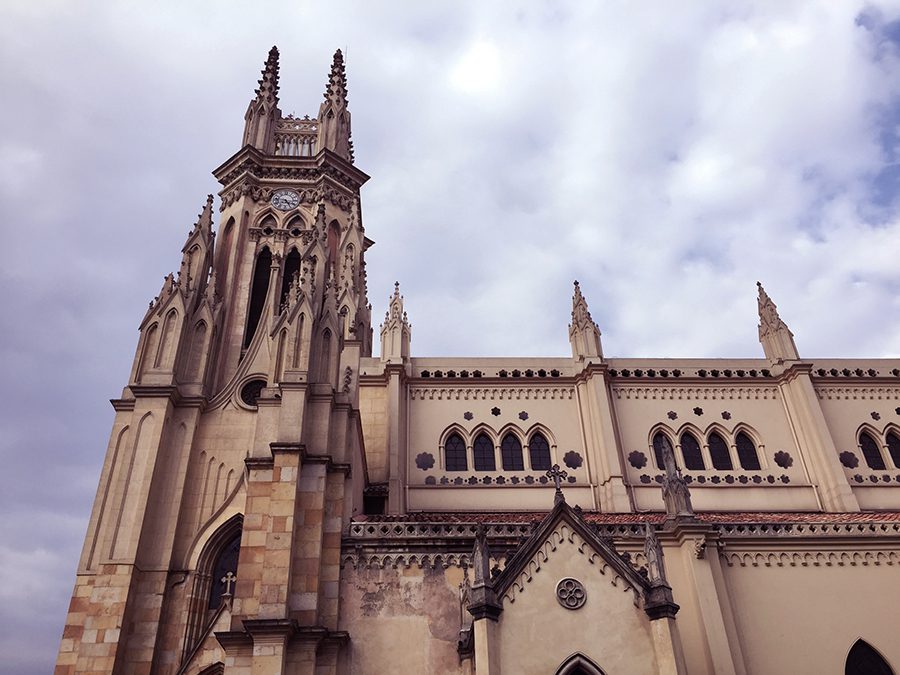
(722, 644)
(601, 439)
(808, 421)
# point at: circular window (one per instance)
(570, 593)
(251, 391)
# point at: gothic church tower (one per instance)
(238, 436)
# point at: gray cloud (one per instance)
(666, 158)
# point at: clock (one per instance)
(285, 200)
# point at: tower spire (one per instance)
(334, 116)
(259, 122)
(395, 331)
(584, 334)
(268, 84)
(776, 338)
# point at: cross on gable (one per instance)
(557, 475)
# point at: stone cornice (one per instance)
(326, 164)
(307, 458)
(169, 391)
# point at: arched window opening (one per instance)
(259, 288)
(151, 345)
(225, 572)
(690, 450)
(659, 443)
(325, 357)
(291, 267)
(217, 561)
(224, 253)
(746, 451)
(893, 443)
(334, 238)
(871, 451)
(864, 660)
(483, 451)
(718, 452)
(167, 341)
(511, 453)
(455, 453)
(539, 452)
(298, 344)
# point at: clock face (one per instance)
(285, 200)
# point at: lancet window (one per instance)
(690, 450)
(259, 288)
(483, 453)
(871, 451)
(659, 442)
(455, 453)
(511, 453)
(718, 452)
(893, 443)
(746, 450)
(539, 452)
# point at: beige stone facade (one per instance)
(276, 499)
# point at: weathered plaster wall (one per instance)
(404, 620)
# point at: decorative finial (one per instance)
(776, 338)
(584, 334)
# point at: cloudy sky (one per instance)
(667, 158)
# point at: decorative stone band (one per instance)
(695, 393)
(811, 558)
(490, 393)
(891, 393)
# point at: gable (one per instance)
(537, 633)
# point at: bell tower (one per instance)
(236, 452)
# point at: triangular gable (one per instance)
(564, 524)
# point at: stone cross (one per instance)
(557, 475)
(228, 580)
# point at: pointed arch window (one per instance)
(455, 453)
(864, 660)
(483, 453)
(893, 443)
(539, 452)
(690, 450)
(511, 453)
(291, 267)
(871, 451)
(746, 451)
(718, 452)
(225, 572)
(659, 443)
(259, 288)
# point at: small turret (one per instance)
(259, 122)
(334, 117)
(395, 331)
(584, 334)
(776, 338)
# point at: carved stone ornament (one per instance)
(570, 593)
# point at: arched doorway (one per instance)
(579, 664)
(863, 659)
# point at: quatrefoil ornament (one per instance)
(570, 593)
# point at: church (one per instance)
(276, 499)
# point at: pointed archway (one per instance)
(579, 664)
(864, 659)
